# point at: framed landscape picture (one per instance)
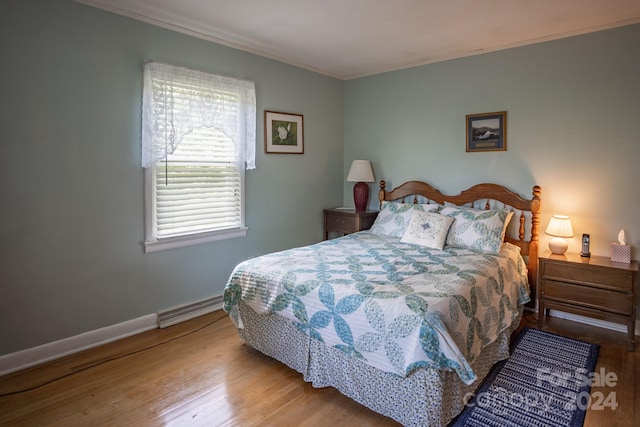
(487, 132)
(283, 133)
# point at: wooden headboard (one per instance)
(484, 193)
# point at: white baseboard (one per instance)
(619, 327)
(27, 358)
(43, 353)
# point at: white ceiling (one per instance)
(354, 38)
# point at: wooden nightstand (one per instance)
(593, 287)
(347, 221)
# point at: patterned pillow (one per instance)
(427, 229)
(510, 215)
(394, 217)
(476, 228)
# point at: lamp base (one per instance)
(361, 196)
(558, 245)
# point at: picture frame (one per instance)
(283, 132)
(487, 132)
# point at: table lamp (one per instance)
(559, 227)
(360, 173)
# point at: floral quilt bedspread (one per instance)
(394, 305)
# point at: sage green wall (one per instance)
(71, 220)
(573, 109)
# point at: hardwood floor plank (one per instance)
(199, 373)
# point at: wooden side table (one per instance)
(593, 287)
(347, 221)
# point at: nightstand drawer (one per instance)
(608, 278)
(586, 296)
(346, 221)
(341, 223)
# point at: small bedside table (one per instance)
(593, 287)
(347, 221)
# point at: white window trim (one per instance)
(196, 239)
(156, 245)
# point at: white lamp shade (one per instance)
(559, 226)
(360, 172)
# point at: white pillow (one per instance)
(427, 229)
(476, 228)
(393, 219)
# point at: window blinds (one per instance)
(198, 187)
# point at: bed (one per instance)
(406, 318)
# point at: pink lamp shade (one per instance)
(360, 173)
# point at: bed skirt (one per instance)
(427, 397)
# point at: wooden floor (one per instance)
(199, 373)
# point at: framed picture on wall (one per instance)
(487, 132)
(283, 133)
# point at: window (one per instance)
(198, 135)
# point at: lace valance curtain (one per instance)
(177, 100)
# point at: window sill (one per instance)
(196, 239)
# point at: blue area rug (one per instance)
(545, 382)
